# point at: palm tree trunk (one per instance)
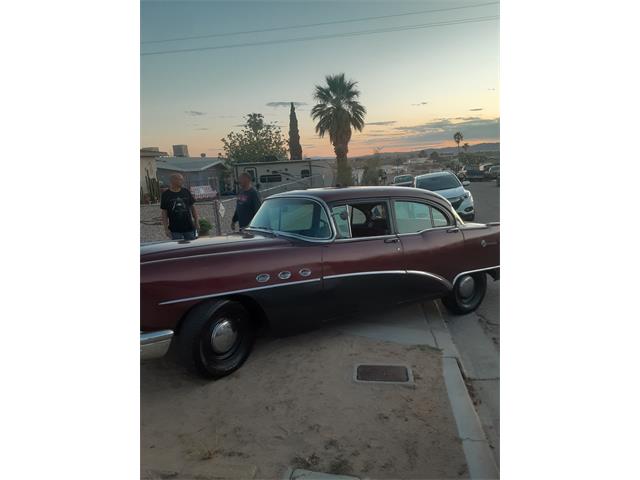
(344, 176)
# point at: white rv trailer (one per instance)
(282, 176)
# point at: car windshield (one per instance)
(293, 216)
(438, 182)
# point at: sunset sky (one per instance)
(419, 86)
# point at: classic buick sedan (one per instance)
(309, 257)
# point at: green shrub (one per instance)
(205, 226)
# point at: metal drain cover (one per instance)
(383, 373)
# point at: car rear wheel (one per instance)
(215, 338)
(468, 293)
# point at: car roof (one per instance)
(435, 174)
(335, 194)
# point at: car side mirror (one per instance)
(466, 183)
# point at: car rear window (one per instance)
(438, 182)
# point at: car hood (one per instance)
(451, 192)
(207, 245)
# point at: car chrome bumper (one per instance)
(155, 344)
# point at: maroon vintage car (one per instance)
(309, 257)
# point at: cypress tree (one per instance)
(295, 149)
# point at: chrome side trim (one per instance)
(474, 271)
(355, 274)
(359, 239)
(432, 275)
(442, 280)
(155, 344)
(233, 292)
(215, 254)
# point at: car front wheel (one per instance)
(215, 338)
(468, 293)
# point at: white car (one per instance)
(448, 185)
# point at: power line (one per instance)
(336, 22)
(321, 37)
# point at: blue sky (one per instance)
(419, 86)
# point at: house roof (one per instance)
(152, 152)
(188, 164)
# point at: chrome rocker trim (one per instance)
(442, 280)
(155, 344)
(474, 271)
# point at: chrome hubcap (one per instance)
(223, 336)
(466, 287)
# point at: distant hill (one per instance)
(477, 148)
(386, 156)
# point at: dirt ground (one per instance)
(295, 404)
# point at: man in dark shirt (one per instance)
(179, 215)
(247, 202)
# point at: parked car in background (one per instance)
(450, 187)
(492, 172)
(470, 174)
(308, 257)
(403, 181)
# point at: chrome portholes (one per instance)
(304, 272)
(263, 277)
(284, 275)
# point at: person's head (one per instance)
(176, 180)
(244, 179)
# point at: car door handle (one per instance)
(391, 240)
(453, 230)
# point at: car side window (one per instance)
(362, 219)
(341, 216)
(358, 217)
(439, 218)
(369, 219)
(413, 217)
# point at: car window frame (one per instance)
(431, 205)
(350, 202)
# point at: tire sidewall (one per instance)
(456, 304)
(196, 330)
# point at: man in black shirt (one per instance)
(179, 215)
(247, 202)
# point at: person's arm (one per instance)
(194, 212)
(165, 223)
(165, 217)
(234, 219)
(196, 220)
(256, 202)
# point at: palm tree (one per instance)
(457, 137)
(336, 112)
(465, 147)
